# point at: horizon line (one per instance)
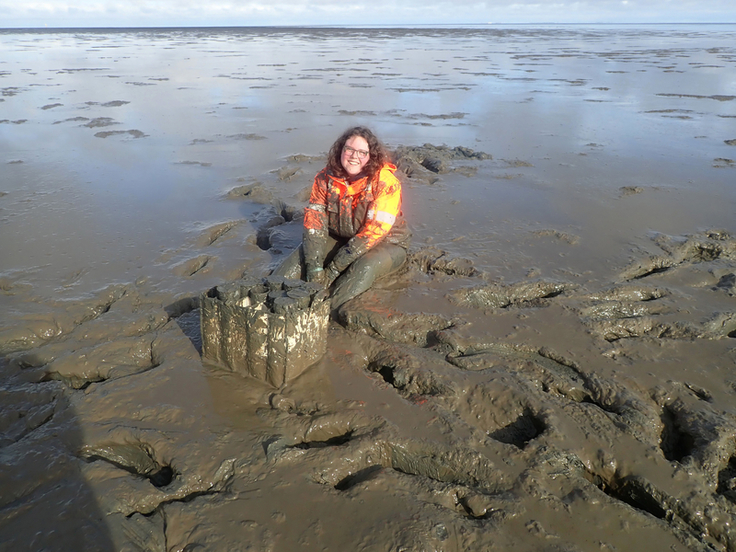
(363, 26)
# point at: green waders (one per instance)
(381, 260)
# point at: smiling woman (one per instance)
(354, 232)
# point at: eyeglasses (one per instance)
(362, 154)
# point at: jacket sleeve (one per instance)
(380, 219)
(315, 224)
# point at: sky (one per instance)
(175, 13)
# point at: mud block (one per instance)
(270, 329)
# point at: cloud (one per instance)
(60, 13)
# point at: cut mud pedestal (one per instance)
(271, 329)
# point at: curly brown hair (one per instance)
(378, 156)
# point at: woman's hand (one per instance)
(331, 274)
(316, 275)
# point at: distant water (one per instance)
(138, 132)
(400, 79)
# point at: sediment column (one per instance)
(271, 329)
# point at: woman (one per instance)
(353, 228)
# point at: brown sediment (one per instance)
(717, 97)
(134, 133)
(553, 372)
(99, 122)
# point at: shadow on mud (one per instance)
(45, 501)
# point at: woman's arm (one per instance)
(315, 228)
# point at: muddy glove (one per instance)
(316, 274)
(331, 274)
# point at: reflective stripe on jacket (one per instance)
(366, 212)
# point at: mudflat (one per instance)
(552, 370)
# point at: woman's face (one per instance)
(355, 155)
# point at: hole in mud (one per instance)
(159, 478)
(632, 493)
(657, 270)
(587, 399)
(263, 235)
(197, 264)
(332, 442)
(675, 443)
(289, 212)
(726, 282)
(520, 432)
(552, 294)
(359, 477)
(162, 477)
(263, 239)
(727, 480)
(73, 382)
(411, 384)
(387, 373)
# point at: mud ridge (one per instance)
(34, 331)
(522, 294)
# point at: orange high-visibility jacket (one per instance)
(364, 211)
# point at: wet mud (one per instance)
(498, 415)
(552, 369)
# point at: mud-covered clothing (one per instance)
(363, 212)
(382, 260)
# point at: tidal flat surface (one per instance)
(554, 370)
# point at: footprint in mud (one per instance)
(397, 327)
(306, 428)
(431, 260)
(400, 367)
(526, 427)
(119, 340)
(279, 228)
(548, 376)
(190, 267)
(352, 452)
(505, 408)
(367, 445)
(162, 466)
(693, 433)
(633, 311)
(255, 192)
(500, 296)
(135, 458)
(35, 330)
(710, 246)
(626, 311)
(682, 516)
(83, 366)
(289, 173)
(425, 163)
(726, 282)
(209, 236)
